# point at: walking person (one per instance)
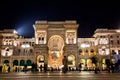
(16, 69)
(25, 68)
(65, 63)
(112, 67)
(0, 68)
(108, 65)
(8, 68)
(80, 66)
(41, 68)
(33, 67)
(45, 67)
(4, 68)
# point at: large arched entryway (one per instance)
(89, 64)
(83, 63)
(71, 60)
(40, 60)
(55, 53)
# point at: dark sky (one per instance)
(22, 14)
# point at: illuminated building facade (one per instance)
(55, 39)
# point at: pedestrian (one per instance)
(4, 68)
(52, 69)
(33, 67)
(41, 68)
(36, 67)
(112, 66)
(45, 67)
(65, 63)
(80, 66)
(8, 68)
(16, 69)
(25, 68)
(0, 68)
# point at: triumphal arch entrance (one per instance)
(54, 40)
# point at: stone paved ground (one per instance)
(60, 76)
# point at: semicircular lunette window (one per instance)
(7, 52)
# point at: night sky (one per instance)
(22, 14)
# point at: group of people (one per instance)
(41, 67)
(113, 67)
(4, 68)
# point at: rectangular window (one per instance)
(39, 38)
(100, 36)
(32, 43)
(118, 51)
(111, 42)
(118, 42)
(117, 36)
(111, 36)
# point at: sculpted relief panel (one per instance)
(41, 37)
(71, 37)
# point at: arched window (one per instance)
(119, 52)
(113, 52)
(7, 49)
(31, 50)
(18, 50)
(86, 51)
(80, 51)
(41, 38)
(92, 51)
(29, 62)
(6, 62)
(22, 62)
(15, 62)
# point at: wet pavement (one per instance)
(84, 75)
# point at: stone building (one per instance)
(52, 41)
(55, 39)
